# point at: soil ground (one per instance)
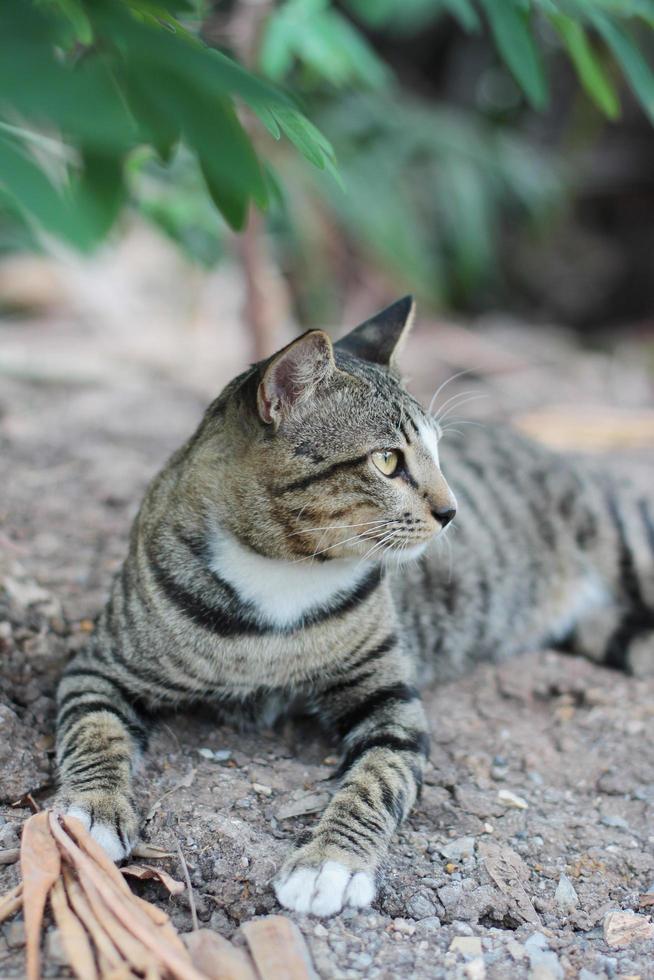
(537, 818)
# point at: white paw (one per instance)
(324, 890)
(105, 835)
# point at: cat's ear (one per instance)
(380, 338)
(294, 374)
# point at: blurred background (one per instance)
(184, 186)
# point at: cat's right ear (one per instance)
(293, 375)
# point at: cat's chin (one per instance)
(404, 556)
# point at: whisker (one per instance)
(338, 544)
(453, 398)
(445, 383)
(482, 425)
(335, 527)
(378, 544)
(449, 548)
(453, 408)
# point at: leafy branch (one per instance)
(106, 78)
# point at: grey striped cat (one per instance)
(263, 573)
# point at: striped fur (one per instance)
(263, 572)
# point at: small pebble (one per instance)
(475, 969)
(466, 945)
(611, 821)
(623, 928)
(403, 926)
(261, 789)
(430, 924)
(54, 948)
(509, 798)
(15, 934)
(459, 850)
(565, 895)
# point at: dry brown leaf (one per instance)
(162, 922)
(11, 902)
(136, 953)
(83, 839)
(74, 938)
(40, 864)
(217, 958)
(157, 916)
(278, 949)
(10, 855)
(118, 899)
(144, 872)
(119, 973)
(109, 958)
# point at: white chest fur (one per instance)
(282, 592)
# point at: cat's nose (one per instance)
(444, 516)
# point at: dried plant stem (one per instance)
(189, 886)
(74, 937)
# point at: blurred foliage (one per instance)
(427, 186)
(85, 84)
(589, 30)
(430, 187)
(122, 101)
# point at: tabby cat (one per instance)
(263, 572)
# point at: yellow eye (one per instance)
(386, 461)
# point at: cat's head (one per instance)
(330, 457)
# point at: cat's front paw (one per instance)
(111, 821)
(323, 887)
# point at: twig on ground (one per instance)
(189, 887)
(10, 855)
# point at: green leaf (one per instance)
(308, 140)
(211, 129)
(209, 73)
(98, 196)
(158, 126)
(509, 23)
(35, 196)
(74, 12)
(276, 51)
(81, 101)
(629, 56)
(322, 40)
(588, 67)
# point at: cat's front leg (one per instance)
(99, 737)
(382, 725)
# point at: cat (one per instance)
(292, 552)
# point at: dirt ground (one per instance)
(537, 817)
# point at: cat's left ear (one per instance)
(380, 338)
(294, 375)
